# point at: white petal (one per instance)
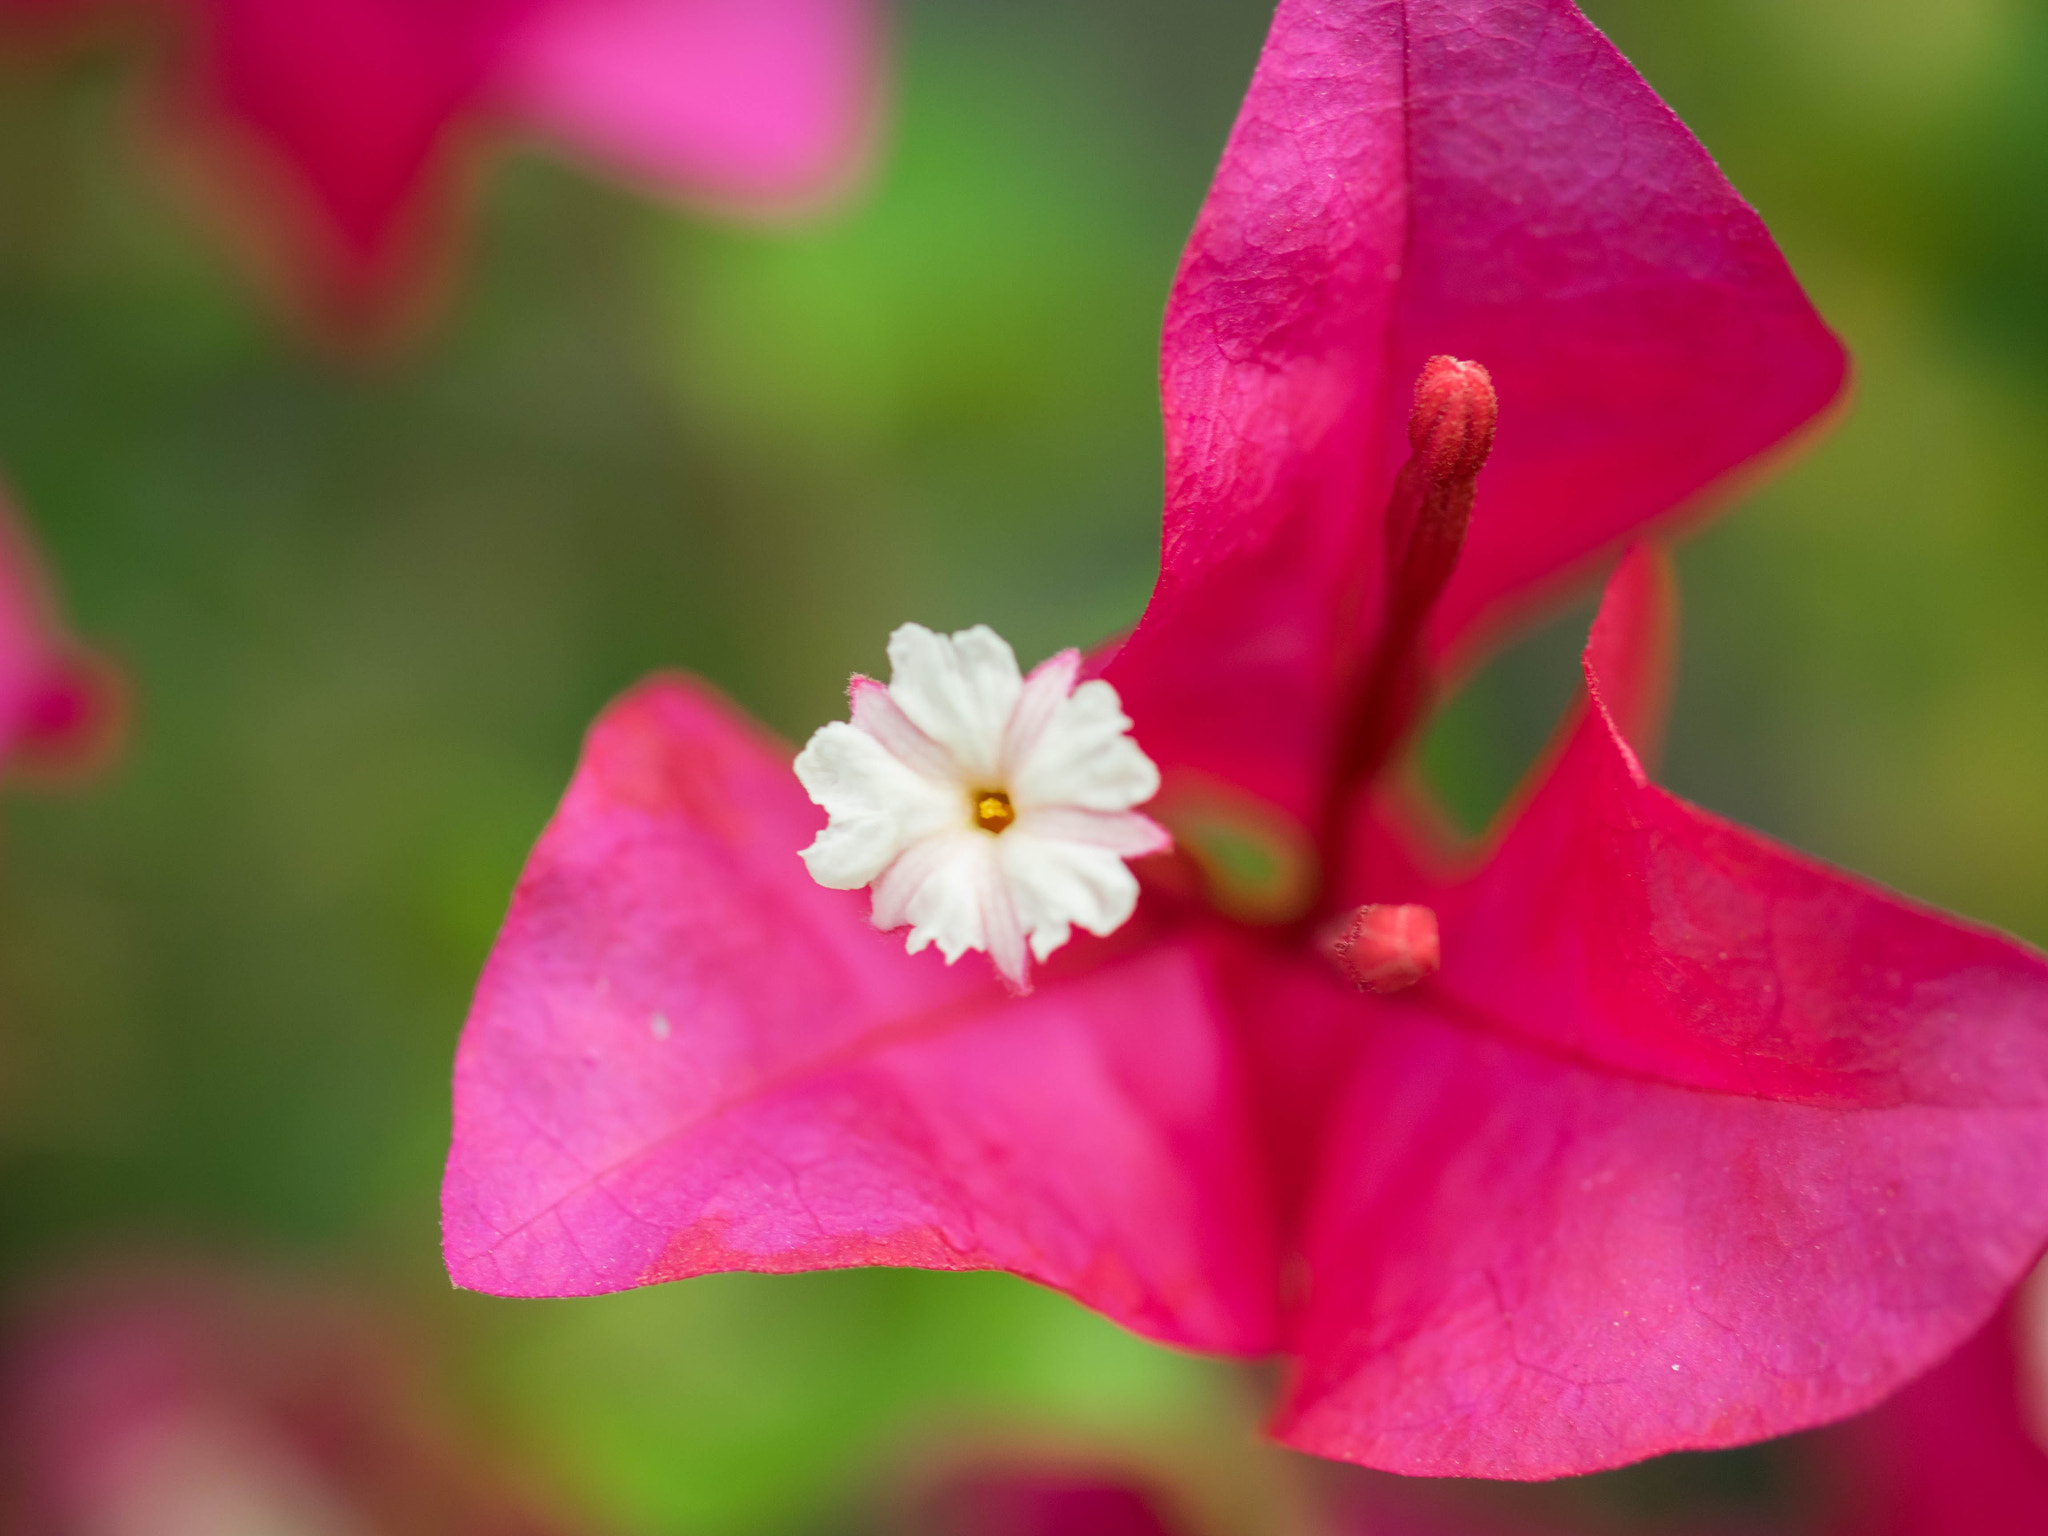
(1002, 922)
(1044, 691)
(953, 891)
(877, 806)
(1057, 885)
(1127, 834)
(1083, 757)
(960, 690)
(901, 881)
(876, 711)
(937, 888)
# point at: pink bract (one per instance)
(336, 129)
(748, 103)
(1019, 1501)
(61, 707)
(1487, 180)
(1688, 1132)
(1689, 1142)
(1959, 1452)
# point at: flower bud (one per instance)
(1451, 426)
(1387, 948)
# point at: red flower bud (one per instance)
(1388, 948)
(1451, 427)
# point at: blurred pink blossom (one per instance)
(1690, 1141)
(333, 132)
(1045, 1502)
(62, 708)
(197, 1402)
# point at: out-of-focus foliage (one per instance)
(369, 611)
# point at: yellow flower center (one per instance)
(992, 809)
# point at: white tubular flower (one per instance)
(988, 810)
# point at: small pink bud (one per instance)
(1428, 510)
(1388, 948)
(1451, 426)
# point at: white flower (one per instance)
(988, 810)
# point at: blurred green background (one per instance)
(369, 611)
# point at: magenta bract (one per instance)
(674, 1000)
(1679, 1106)
(1961, 1451)
(1690, 1141)
(62, 707)
(336, 126)
(1021, 1502)
(1487, 180)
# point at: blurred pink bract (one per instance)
(1689, 1142)
(332, 128)
(1021, 1503)
(1959, 1452)
(188, 1402)
(62, 708)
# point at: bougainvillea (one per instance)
(1659, 1135)
(331, 131)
